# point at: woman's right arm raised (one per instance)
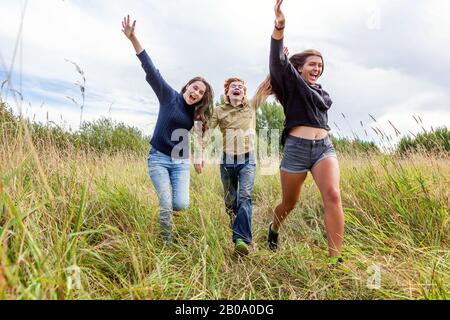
(280, 21)
(129, 31)
(278, 58)
(162, 89)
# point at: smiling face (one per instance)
(312, 69)
(236, 91)
(194, 92)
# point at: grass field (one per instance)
(81, 225)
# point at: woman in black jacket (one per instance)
(306, 140)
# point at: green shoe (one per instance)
(334, 261)
(241, 247)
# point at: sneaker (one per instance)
(272, 239)
(241, 247)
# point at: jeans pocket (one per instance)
(289, 142)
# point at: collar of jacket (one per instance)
(243, 105)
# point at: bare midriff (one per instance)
(309, 133)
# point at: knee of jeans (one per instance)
(181, 205)
(245, 191)
(245, 196)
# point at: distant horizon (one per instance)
(384, 145)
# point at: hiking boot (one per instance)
(241, 247)
(272, 239)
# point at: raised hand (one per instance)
(280, 20)
(128, 28)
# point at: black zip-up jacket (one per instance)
(303, 104)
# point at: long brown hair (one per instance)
(265, 89)
(203, 108)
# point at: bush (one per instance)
(106, 136)
(6, 114)
(103, 135)
(8, 122)
(43, 135)
(435, 141)
(357, 146)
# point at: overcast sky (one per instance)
(389, 59)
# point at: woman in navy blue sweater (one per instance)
(168, 162)
(307, 145)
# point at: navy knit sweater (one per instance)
(303, 104)
(174, 114)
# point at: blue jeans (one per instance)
(170, 177)
(238, 180)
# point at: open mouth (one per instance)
(236, 93)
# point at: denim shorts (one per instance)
(302, 155)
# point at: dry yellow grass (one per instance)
(103, 218)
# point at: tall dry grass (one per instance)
(99, 213)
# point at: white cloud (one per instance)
(381, 56)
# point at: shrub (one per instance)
(8, 122)
(357, 146)
(106, 136)
(103, 135)
(435, 141)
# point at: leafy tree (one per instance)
(270, 116)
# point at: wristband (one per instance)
(278, 28)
